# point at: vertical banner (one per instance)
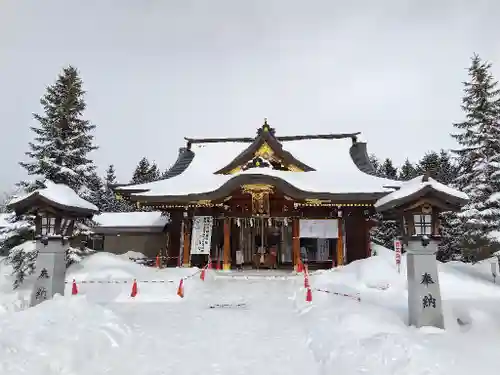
(397, 248)
(201, 237)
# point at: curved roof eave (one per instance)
(235, 182)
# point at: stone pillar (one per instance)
(50, 267)
(227, 244)
(424, 295)
(295, 242)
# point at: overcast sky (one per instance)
(157, 70)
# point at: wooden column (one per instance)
(186, 248)
(174, 239)
(340, 243)
(227, 244)
(295, 242)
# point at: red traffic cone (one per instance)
(306, 281)
(300, 267)
(158, 261)
(202, 274)
(74, 288)
(180, 289)
(309, 295)
(134, 289)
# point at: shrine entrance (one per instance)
(262, 242)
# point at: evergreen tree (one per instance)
(479, 155)
(110, 202)
(141, 173)
(63, 139)
(388, 170)
(429, 164)
(375, 163)
(407, 171)
(95, 190)
(59, 152)
(385, 231)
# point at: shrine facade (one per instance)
(266, 201)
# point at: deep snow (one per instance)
(104, 331)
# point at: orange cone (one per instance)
(300, 267)
(202, 274)
(158, 262)
(180, 289)
(134, 289)
(309, 295)
(74, 288)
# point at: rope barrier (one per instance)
(357, 298)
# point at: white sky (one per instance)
(156, 71)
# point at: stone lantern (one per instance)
(56, 208)
(417, 205)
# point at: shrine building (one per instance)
(266, 201)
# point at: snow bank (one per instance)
(372, 336)
(112, 276)
(62, 336)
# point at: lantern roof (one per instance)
(59, 197)
(422, 187)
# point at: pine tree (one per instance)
(479, 155)
(95, 190)
(142, 172)
(407, 171)
(110, 202)
(429, 164)
(388, 170)
(59, 152)
(375, 163)
(385, 231)
(63, 139)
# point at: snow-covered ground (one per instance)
(262, 324)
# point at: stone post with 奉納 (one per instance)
(417, 206)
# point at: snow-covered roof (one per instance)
(335, 170)
(58, 194)
(418, 185)
(131, 219)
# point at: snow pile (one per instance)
(264, 326)
(372, 336)
(106, 277)
(62, 336)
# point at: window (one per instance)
(423, 224)
(48, 225)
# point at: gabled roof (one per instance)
(336, 165)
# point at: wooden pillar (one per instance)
(186, 248)
(174, 239)
(340, 243)
(295, 242)
(227, 244)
